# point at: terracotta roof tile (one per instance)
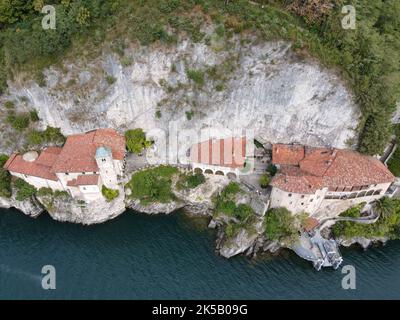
(310, 224)
(78, 153)
(229, 152)
(287, 154)
(84, 180)
(39, 168)
(332, 168)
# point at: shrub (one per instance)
(110, 79)
(9, 105)
(394, 162)
(109, 194)
(190, 181)
(61, 194)
(158, 114)
(24, 190)
(34, 116)
(189, 115)
(5, 178)
(153, 185)
(280, 225)
(243, 212)
(42, 192)
(20, 122)
(136, 140)
(388, 224)
(272, 169)
(264, 181)
(197, 76)
(50, 135)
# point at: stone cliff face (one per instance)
(265, 87)
(237, 85)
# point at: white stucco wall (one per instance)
(318, 206)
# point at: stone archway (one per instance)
(208, 171)
(198, 170)
(219, 172)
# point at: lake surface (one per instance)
(137, 256)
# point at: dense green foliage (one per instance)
(136, 140)
(280, 225)
(109, 194)
(43, 192)
(24, 190)
(49, 136)
(264, 180)
(369, 56)
(388, 224)
(191, 180)
(394, 161)
(5, 178)
(153, 185)
(272, 169)
(225, 203)
(197, 76)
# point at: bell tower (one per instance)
(105, 163)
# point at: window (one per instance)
(94, 172)
(302, 196)
(103, 160)
(311, 200)
(83, 172)
(84, 188)
(302, 203)
(369, 193)
(377, 192)
(361, 194)
(289, 195)
(66, 173)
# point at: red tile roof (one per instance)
(332, 168)
(78, 153)
(310, 224)
(230, 152)
(84, 180)
(39, 168)
(287, 154)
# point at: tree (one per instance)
(385, 207)
(280, 225)
(136, 140)
(264, 181)
(5, 178)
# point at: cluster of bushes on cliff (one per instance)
(153, 185)
(5, 178)
(369, 55)
(388, 224)
(190, 180)
(136, 140)
(49, 136)
(242, 214)
(24, 190)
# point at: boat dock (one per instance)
(320, 251)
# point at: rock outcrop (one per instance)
(264, 87)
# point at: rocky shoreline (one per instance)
(195, 202)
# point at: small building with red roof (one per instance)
(325, 181)
(81, 167)
(219, 156)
